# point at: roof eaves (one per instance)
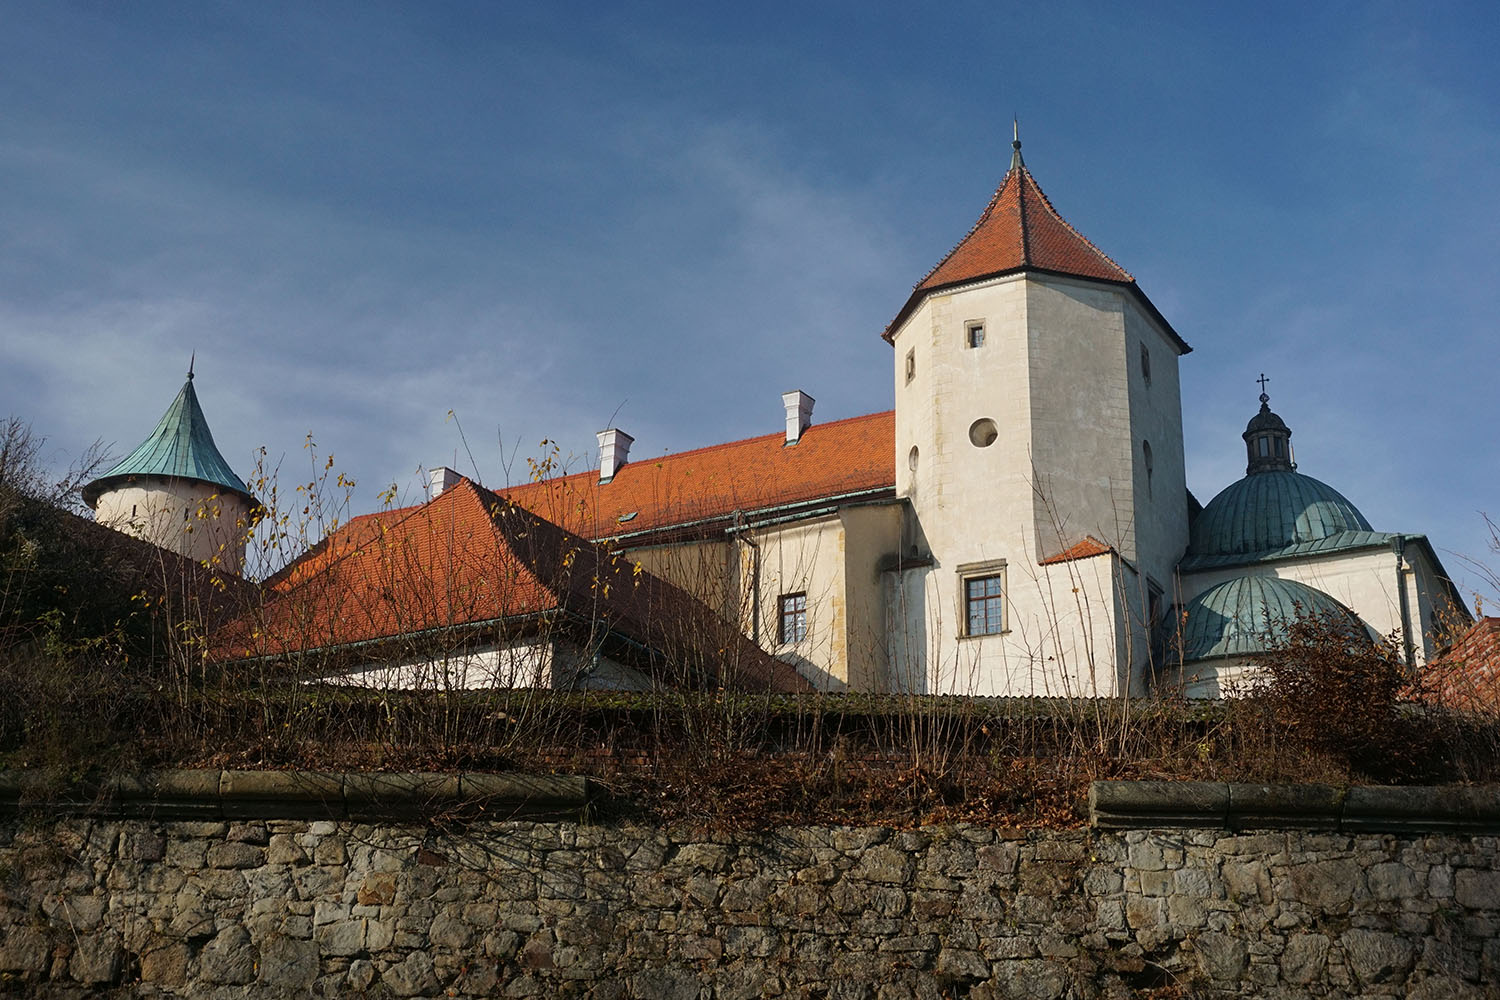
(919, 293)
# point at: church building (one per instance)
(1018, 524)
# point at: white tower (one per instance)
(1039, 444)
(175, 490)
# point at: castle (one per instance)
(1018, 524)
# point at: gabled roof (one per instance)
(845, 459)
(471, 558)
(1021, 231)
(181, 447)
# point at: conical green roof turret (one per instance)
(181, 447)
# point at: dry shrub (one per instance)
(1337, 705)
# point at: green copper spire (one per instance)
(181, 447)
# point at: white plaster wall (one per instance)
(183, 516)
(1065, 636)
(833, 558)
(1228, 677)
(1432, 606)
(707, 569)
(1082, 446)
(540, 664)
(512, 665)
(1161, 516)
(806, 557)
(1054, 376)
(872, 535)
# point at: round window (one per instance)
(911, 459)
(983, 432)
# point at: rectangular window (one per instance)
(974, 335)
(911, 364)
(984, 604)
(793, 618)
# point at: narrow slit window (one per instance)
(911, 364)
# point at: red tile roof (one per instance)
(846, 457)
(1021, 231)
(469, 557)
(1466, 677)
(1089, 547)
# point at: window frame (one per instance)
(971, 327)
(993, 570)
(911, 365)
(791, 609)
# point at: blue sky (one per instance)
(362, 216)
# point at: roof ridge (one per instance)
(701, 450)
(1069, 226)
(983, 217)
(1025, 175)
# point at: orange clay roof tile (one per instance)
(1020, 231)
(1086, 549)
(838, 459)
(1466, 677)
(467, 557)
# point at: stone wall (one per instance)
(143, 907)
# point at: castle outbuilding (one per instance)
(176, 490)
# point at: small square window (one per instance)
(984, 604)
(793, 618)
(974, 335)
(911, 364)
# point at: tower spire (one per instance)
(1015, 143)
(192, 359)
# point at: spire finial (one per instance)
(1015, 143)
(192, 359)
(1264, 399)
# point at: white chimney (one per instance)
(440, 479)
(614, 448)
(798, 413)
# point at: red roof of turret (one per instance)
(1021, 231)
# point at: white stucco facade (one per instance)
(541, 663)
(189, 517)
(1059, 376)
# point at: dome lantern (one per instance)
(1268, 440)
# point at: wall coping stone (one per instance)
(222, 794)
(1137, 805)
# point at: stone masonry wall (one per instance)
(298, 908)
